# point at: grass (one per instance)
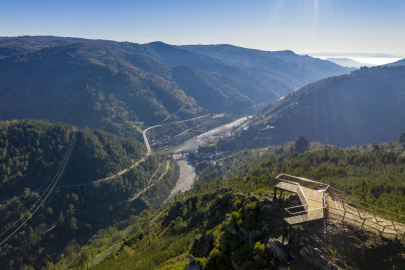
(160, 250)
(218, 115)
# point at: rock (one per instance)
(191, 258)
(253, 233)
(202, 246)
(244, 232)
(257, 257)
(230, 229)
(235, 266)
(340, 263)
(278, 251)
(193, 265)
(314, 258)
(330, 266)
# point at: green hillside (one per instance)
(88, 196)
(33, 149)
(228, 223)
(344, 110)
(90, 85)
(119, 86)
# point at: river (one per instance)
(187, 172)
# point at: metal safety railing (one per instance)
(372, 222)
(292, 178)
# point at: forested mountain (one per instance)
(398, 63)
(234, 223)
(83, 200)
(111, 197)
(294, 69)
(32, 149)
(112, 85)
(91, 85)
(362, 107)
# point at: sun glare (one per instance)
(274, 12)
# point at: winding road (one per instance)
(145, 138)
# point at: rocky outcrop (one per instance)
(192, 265)
(277, 249)
(202, 246)
(315, 258)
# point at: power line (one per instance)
(56, 170)
(48, 191)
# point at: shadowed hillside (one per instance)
(362, 107)
(60, 186)
(115, 85)
(293, 69)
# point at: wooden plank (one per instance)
(287, 187)
(312, 199)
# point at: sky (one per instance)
(303, 26)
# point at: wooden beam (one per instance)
(284, 231)
(289, 234)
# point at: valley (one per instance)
(180, 153)
(169, 157)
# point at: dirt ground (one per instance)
(347, 246)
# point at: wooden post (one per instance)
(275, 194)
(383, 230)
(343, 220)
(392, 221)
(284, 228)
(362, 224)
(289, 234)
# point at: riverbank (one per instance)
(188, 173)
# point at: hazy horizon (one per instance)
(303, 26)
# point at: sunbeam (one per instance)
(273, 13)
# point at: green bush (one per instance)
(235, 219)
(259, 249)
(202, 262)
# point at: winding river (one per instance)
(187, 172)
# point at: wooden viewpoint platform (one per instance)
(313, 203)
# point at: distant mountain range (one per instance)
(296, 70)
(398, 63)
(115, 85)
(365, 106)
(347, 62)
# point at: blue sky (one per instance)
(304, 26)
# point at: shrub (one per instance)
(259, 249)
(202, 262)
